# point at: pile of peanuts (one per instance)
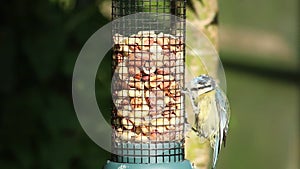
(147, 82)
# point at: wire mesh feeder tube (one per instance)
(148, 118)
(148, 60)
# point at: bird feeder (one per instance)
(148, 117)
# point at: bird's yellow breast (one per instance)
(208, 116)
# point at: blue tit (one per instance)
(211, 109)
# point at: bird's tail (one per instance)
(216, 151)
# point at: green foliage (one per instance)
(40, 41)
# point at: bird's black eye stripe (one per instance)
(198, 88)
(193, 128)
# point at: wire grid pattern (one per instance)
(148, 60)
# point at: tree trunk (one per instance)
(203, 14)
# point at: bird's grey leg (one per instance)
(194, 104)
(196, 110)
(195, 107)
(190, 94)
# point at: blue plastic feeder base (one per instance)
(173, 165)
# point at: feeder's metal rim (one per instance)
(177, 165)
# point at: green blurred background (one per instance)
(39, 44)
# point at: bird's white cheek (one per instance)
(203, 91)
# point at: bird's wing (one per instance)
(224, 114)
(216, 150)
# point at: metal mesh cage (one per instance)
(148, 60)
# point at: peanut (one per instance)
(141, 138)
(135, 93)
(123, 113)
(128, 135)
(127, 124)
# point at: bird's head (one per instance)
(203, 84)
